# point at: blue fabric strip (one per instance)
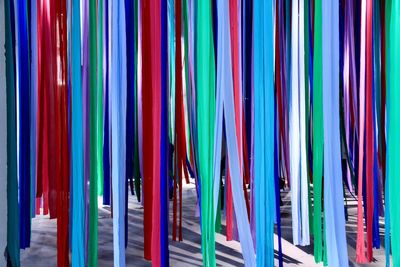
(106, 135)
(333, 191)
(23, 119)
(118, 126)
(164, 139)
(130, 106)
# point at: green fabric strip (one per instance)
(99, 100)
(92, 245)
(205, 68)
(318, 132)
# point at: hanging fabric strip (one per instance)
(86, 140)
(318, 133)
(360, 250)
(93, 90)
(118, 124)
(393, 151)
(164, 199)
(130, 105)
(13, 246)
(63, 139)
(205, 85)
(106, 136)
(78, 238)
(264, 131)
(33, 104)
(299, 183)
(333, 191)
(225, 105)
(155, 36)
(147, 126)
(23, 119)
(369, 127)
(130, 112)
(99, 99)
(386, 46)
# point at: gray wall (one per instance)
(3, 140)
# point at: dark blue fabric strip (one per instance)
(164, 138)
(24, 125)
(106, 142)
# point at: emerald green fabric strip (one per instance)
(318, 132)
(92, 245)
(205, 84)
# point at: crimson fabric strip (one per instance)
(147, 126)
(64, 166)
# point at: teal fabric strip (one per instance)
(264, 130)
(78, 209)
(12, 180)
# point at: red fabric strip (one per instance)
(147, 127)
(63, 175)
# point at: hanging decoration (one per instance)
(249, 101)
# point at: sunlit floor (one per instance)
(188, 252)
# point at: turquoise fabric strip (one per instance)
(333, 191)
(264, 130)
(78, 221)
(118, 126)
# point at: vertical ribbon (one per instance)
(318, 132)
(360, 250)
(13, 241)
(264, 130)
(147, 134)
(155, 36)
(23, 119)
(333, 190)
(118, 126)
(393, 150)
(78, 208)
(205, 95)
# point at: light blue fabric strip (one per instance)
(225, 101)
(264, 130)
(78, 221)
(333, 191)
(118, 125)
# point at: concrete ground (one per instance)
(187, 253)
